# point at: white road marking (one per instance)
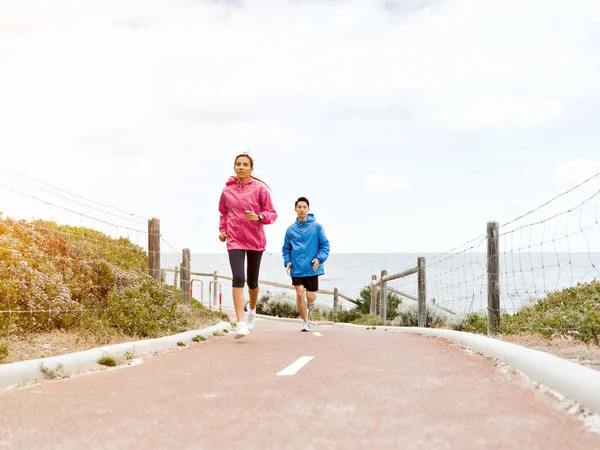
(316, 333)
(293, 368)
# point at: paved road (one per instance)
(361, 389)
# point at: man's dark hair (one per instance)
(302, 199)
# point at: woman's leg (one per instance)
(236, 261)
(254, 259)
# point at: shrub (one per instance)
(72, 277)
(408, 316)
(572, 312)
(278, 305)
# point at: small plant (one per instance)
(129, 355)
(368, 320)
(181, 344)
(218, 333)
(233, 324)
(57, 373)
(198, 338)
(108, 361)
(225, 330)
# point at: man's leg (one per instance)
(312, 286)
(301, 303)
(311, 297)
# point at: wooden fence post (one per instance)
(154, 248)
(493, 277)
(422, 296)
(186, 277)
(176, 284)
(163, 276)
(335, 303)
(373, 305)
(383, 295)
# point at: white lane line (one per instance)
(316, 333)
(293, 368)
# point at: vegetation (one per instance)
(284, 305)
(108, 361)
(571, 312)
(60, 277)
(57, 373)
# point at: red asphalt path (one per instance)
(362, 389)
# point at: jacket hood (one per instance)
(233, 180)
(310, 217)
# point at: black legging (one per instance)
(237, 259)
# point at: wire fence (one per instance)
(552, 247)
(61, 254)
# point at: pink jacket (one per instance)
(236, 198)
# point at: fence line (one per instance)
(215, 275)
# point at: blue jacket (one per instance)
(305, 241)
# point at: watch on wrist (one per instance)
(260, 218)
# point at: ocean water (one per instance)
(456, 281)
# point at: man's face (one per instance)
(302, 210)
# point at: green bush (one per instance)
(408, 316)
(363, 307)
(63, 277)
(278, 305)
(284, 305)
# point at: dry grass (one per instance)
(585, 354)
(46, 344)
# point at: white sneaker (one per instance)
(241, 330)
(305, 326)
(251, 318)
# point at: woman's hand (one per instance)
(223, 237)
(315, 264)
(251, 216)
(287, 269)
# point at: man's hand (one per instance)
(287, 269)
(251, 216)
(223, 236)
(315, 264)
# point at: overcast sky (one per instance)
(408, 124)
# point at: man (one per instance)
(304, 251)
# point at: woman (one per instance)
(245, 206)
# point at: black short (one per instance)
(311, 284)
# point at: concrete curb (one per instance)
(570, 379)
(29, 371)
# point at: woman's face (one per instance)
(242, 167)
